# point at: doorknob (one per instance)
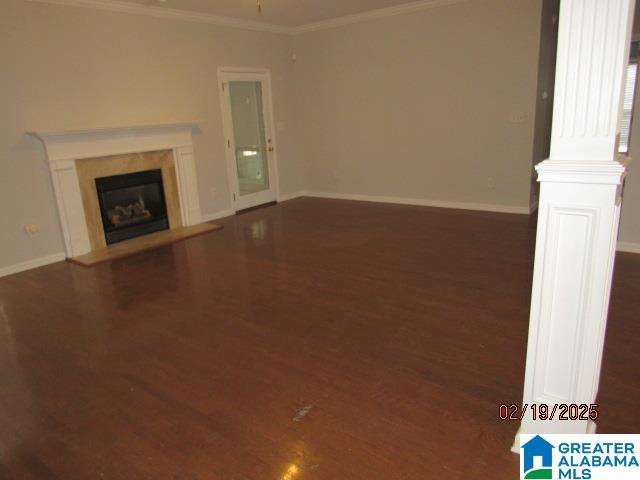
(271, 149)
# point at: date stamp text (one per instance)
(541, 411)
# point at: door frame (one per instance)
(226, 74)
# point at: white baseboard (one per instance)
(486, 207)
(208, 217)
(629, 247)
(515, 448)
(33, 263)
(291, 196)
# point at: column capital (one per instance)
(576, 171)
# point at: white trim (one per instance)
(170, 13)
(223, 21)
(486, 207)
(33, 263)
(629, 247)
(291, 196)
(262, 75)
(515, 447)
(79, 133)
(589, 173)
(373, 15)
(208, 217)
(96, 142)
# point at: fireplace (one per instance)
(132, 204)
(77, 158)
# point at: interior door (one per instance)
(249, 136)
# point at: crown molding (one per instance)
(374, 14)
(172, 13)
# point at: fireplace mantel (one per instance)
(64, 148)
(102, 142)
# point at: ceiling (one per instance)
(284, 13)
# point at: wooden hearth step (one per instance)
(143, 243)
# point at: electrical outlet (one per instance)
(491, 184)
(32, 229)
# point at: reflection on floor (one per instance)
(316, 339)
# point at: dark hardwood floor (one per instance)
(315, 339)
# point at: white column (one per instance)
(187, 182)
(580, 195)
(72, 218)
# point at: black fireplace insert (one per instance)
(132, 205)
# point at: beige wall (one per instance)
(420, 105)
(629, 223)
(546, 87)
(70, 68)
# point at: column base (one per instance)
(515, 448)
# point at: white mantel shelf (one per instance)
(86, 143)
(64, 148)
(112, 130)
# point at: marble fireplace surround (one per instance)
(169, 147)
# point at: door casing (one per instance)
(263, 75)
